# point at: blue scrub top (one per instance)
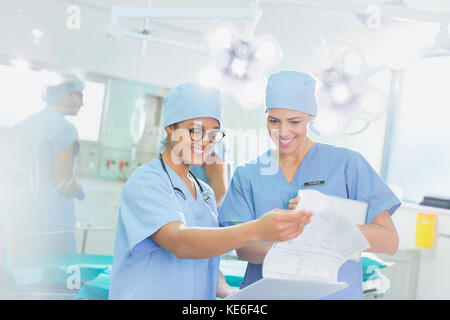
(141, 268)
(261, 186)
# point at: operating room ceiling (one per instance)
(198, 26)
(432, 5)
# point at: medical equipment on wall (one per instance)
(239, 61)
(437, 201)
(425, 229)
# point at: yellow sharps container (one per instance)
(425, 229)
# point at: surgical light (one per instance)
(347, 95)
(238, 67)
(222, 38)
(267, 50)
(239, 57)
(372, 104)
(341, 94)
(243, 64)
(37, 33)
(327, 123)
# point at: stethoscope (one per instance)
(205, 195)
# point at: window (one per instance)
(89, 118)
(419, 160)
(21, 97)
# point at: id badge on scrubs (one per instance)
(314, 183)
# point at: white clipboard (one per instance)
(280, 289)
(353, 210)
(305, 289)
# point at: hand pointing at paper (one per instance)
(257, 250)
(289, 224)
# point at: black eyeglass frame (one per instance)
(191, 134)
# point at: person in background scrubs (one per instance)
(300, 163)
(168, 241)
(49, 147)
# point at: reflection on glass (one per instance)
(420, 156)
(37, 214)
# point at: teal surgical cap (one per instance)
(189, 101)
(292, 90)
(67, 85)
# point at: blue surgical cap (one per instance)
(189, 101)
(292, 90)
(69, 84)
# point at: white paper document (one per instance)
(307, 266)
(278, 289)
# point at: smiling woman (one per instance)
(299, 164)
(168, 242)
(192, 150)
(287, 127)
(195, 149)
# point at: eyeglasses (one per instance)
(198, 134)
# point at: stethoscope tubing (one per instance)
(204, 194)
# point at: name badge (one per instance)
(314, 183)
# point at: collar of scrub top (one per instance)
(205, 195)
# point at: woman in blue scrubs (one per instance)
(215, 171)
(168, 241)
(301, 163)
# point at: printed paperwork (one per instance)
(307, 266)
(324, 245)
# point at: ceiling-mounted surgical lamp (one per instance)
(115, 30)
(347, 95)
(240, 61)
